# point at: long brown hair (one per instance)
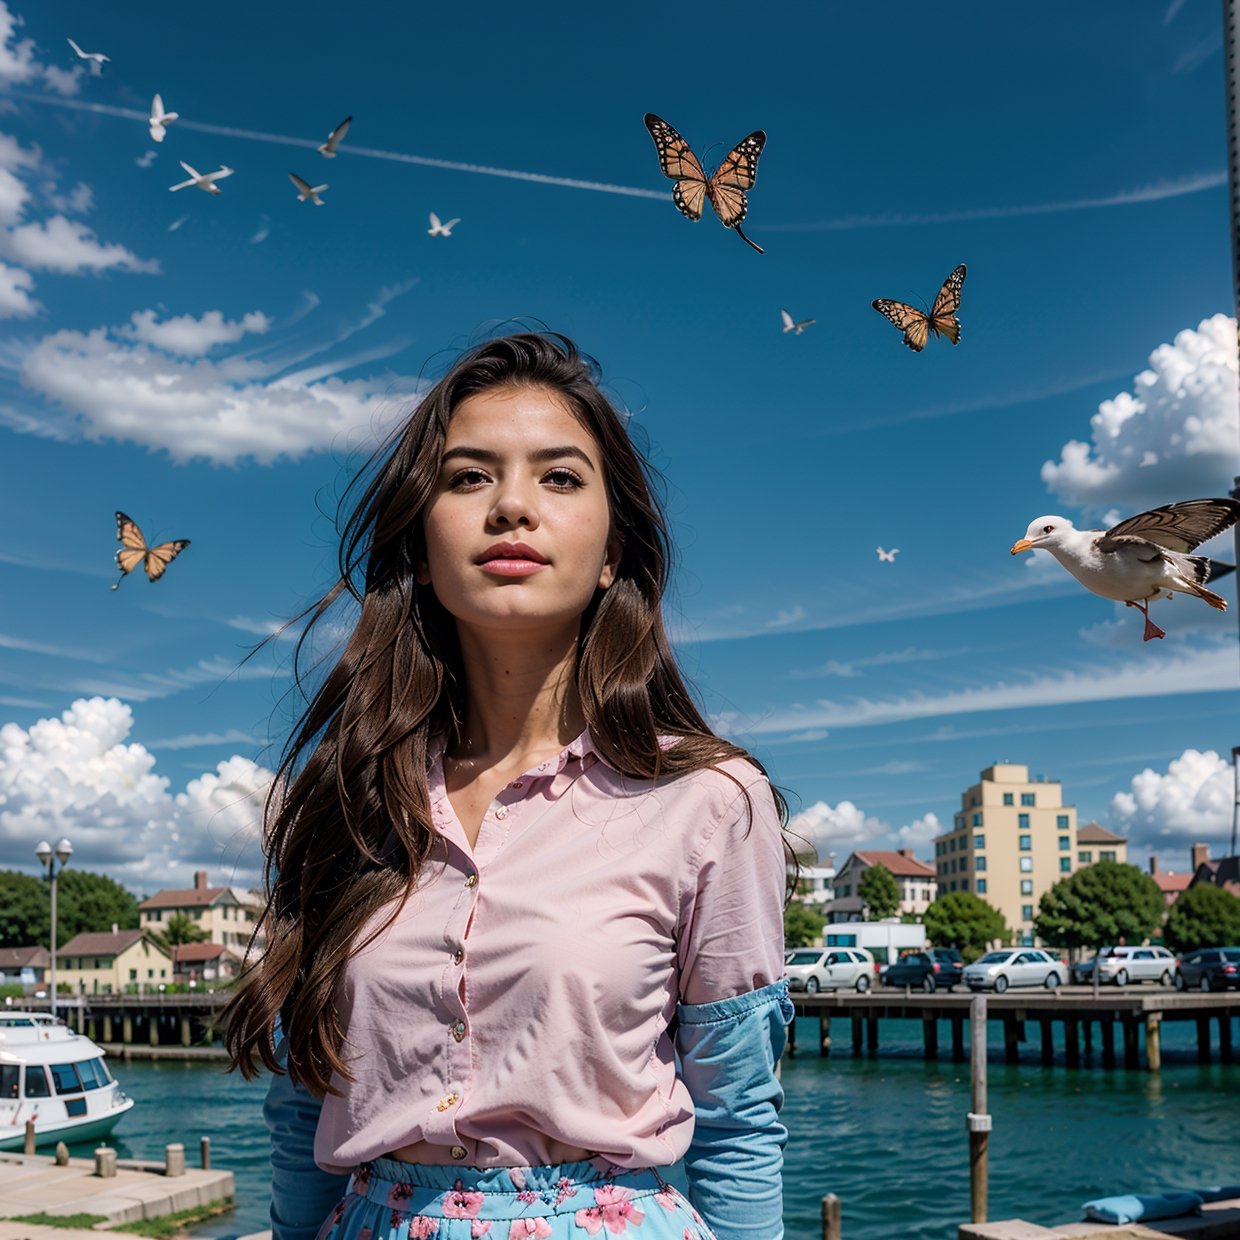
(349, 823)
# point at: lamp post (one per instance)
(49, 857)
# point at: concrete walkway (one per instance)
(33, 1184)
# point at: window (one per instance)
(1061, 821)
(1085, 856)
(979, 841)
(938, 848)
(951, 844)
(964, 884)
(1107, 854)
(1026, 865)
(92, 1078)
(952, 885)
(1026, 843)
(959, 822)
(1065, 865)
(981, 886)
(150, 973)
(977, 820)
(157, 915)
(8, 1080)
(1026, 912)
(1026, 798)
(1065, 843)
(1007, 798)
(133, 975)
(66, 1078)
(1022, 821)
(1026, 886)
(99, 963)
(979, 863)
(36, 1082)
(953, 865)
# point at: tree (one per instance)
(1203, 916)
(86, 901)
(25, 910)
(965, 921)
(802, 924)
(880, 891)
(1108, 902)
(178, 930)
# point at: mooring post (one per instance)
(930, 1036)
(978, 1120)
(204, 1152)
(29, 1146)
(831, 1229)
(1108, 1043)
(1203, 1039)
(1153, 1041)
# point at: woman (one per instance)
(525, 913)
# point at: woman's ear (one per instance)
(423, 575)
(611, 562)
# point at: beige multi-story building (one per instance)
(1012, 839)
(227, 915)
(103, 963)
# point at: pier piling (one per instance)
(1047, 1027)
(824, 1034)
(1224, 1037)
(1072, 1041)
(29, 1146)
(856, 1033)
(1132, 1058)
(1153, 1042)
(871, 1036)
(930, 1036)
(1203, 1039)
(978, 1120)
(1011, 1041)
(1108, 1043)
(831, 1229)
(204, 1153)
(957, 1037)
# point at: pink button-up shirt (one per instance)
(516, 1012)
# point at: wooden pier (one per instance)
(1127, 1023)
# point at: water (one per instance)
(886, 1135)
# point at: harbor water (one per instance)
(886, 1135)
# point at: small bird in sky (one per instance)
(439, 229)
(791, 325)
(160, 119)
(306, 190)
(1142, 558)
(96, 58)
(328, 149)
(887, 557)
(204, 180)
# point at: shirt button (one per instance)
(472, 881)
(458, 1030)
(518, 784)
(458, 955)
(502, 812)
(459, 1152)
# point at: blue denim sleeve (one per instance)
(302, 1195)
(728, 1051)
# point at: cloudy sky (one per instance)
(216, 366)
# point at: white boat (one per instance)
(56, 1077)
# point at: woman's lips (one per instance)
(512, 567)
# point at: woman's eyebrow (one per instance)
(539, 456)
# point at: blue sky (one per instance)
(217, 366)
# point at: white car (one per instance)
(1122, 965)
(1015, 966)
(812, 969)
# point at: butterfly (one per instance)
(917, 324)
(134, 551)
(725, 187)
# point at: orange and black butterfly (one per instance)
(917, 324)
(134, 551)
(725, 187)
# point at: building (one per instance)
(816, 884)
(1012, 839)
(1220, 872)
(1095, 843)
(24, 966)
(915, 879)
(227, 915)
(205, 962)
(1171, 884)
(112, 963)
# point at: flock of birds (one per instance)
(1142, 558)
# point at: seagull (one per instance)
(306, 190)
(160, 119)
(887, 557)
(1142, 558)
(204, 180)
(328, 149)
(96, 58)
(439, 229)
(791, 325)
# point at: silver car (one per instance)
(812, 969)
(1122, 965)
(1015, 966)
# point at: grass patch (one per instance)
(78, 1221)
(169, 1225)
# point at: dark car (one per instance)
(936, 968)
(1209, 968)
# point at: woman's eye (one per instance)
(563, 479)
(465, 478)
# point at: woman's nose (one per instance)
(514, 509)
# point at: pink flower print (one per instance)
(478, 1228)
(460, 1204)
(517, 1176)
(361, 1178)
(590, 1220)
(618, 1209)
(527, 1196)
(529, 1229)
(421, 1227)
(666, 1197)
(689, 1235)
(398, 1194)
(564, 1190)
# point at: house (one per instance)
(227, 915)
(1171, 884)
(205, 962)
(112, 963)
(1220, 872)
(24, 966)
(1096, 843)
(916, 880)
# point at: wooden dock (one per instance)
(1125, 1025)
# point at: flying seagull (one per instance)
(791, 325)
(439, 229)
(1142, 558)
(160, 119)
(328, 149)
(204, 180)
(306, 190)
(887, 557)
(96, 58)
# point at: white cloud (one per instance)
(1172, 437)
(920, 832)
(1190, 801)
(63, 245)
(16, 286)
(149, 686)
(836, 828)
(79, 773)
(191, 337)
(18, 65)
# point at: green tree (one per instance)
(1108, 902)
(86, 901)
(1203, 916)
(178, 930)
(880, 891)
(802, 924)
(962, 920)
(25, 910)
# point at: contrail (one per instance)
(1194, 184)
(396, 157)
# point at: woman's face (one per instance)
(518, 533)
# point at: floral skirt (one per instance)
(390, 1200)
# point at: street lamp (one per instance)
(48, 857)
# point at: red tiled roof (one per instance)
(1092, 833)
(899, 865)
(1172, 882)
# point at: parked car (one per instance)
(1122, 965)
(1209, 968)
(934, 969)
(1015, 966)
(812, 969)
